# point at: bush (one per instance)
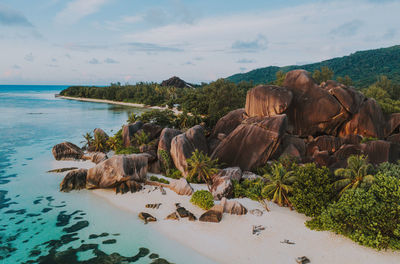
(202, 199)
(312, 189)
(164, 118)
(370, 217)
(162, 180)
(174, 174)
(128, 150)
(367, 139)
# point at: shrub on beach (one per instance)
(202, 199)
(162, 180)
(370, 217)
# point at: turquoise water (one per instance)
(37, 221)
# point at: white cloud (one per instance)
(29, 57)
(78, 9)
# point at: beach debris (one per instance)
(303, 260)
(286, 241)
(153, 206)
(172, 216)
(146, 217)
(257, 229)
(213, 215)
(162, 190)
(256, 212)
(62, 170)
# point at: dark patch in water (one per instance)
(78, 217)
(28, 158)
(20, 222)
(37, 201)
(109, 241)
(45, 210)
(153, 256)
(94, 236)
(18, 212)
(76, 227)
(32, 215)
(63, 218)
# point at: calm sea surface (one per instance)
(37, 222)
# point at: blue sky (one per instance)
(103, 41)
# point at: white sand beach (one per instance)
(231, 240)
(176, 111)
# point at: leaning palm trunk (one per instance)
(264, 204)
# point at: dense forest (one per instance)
(363, 67)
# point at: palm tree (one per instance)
(132, 118)
(141, 138)
(255, 192)
(99, 142)
(279, 187)
(112, 143)
(355, 175)
(88, 139)
(202, 167)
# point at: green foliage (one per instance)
(368, 139)
(201, 167)
(174, 174)
(355, 175)
(88, 139)
(280, 78)
(162, 180)
(346, 80)
(132, 118)
(165, 159)
(140, 138)
(202, 199)
(99, 142)
(113, 143)
(312, 189)
(363, 67)
(370, 217)
(323, 75)
(252, 189)
(164, 118)
(278, 187)
(128, 150)
(390, 169)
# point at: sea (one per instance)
(40, 224)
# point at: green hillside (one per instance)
(363, 67)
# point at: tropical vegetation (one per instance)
(201, 168)
(202, 199)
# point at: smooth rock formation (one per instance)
(128, 131)
(222, 187)
(233, 207)
(214, 215)
(146, 217)
(229, 122)
(99, 131)
(181, 187)
(174, 82)
(152, 130)
(381, 151)
(393, 125)
(248, 175)
(183, 145)
(291, 146)
(368, 122)
(98, 157)
(164, 144)
(74, 180)
(118, 169)
(252, 143)
(128, 186)
(234, 173)
(267, 100)
(325, 143)
(172, 216)
(313, 109)
(348, 97)
(67, 151)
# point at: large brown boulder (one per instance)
(313, 109)
(181, 187)
(129, 130)
(233, 207)
(229, 122)
(183, 145)
(151, 130)
(393, 125)
(213, 215)
(325, 143)
(67, 151)
(99, 131)
(395, 138)
(98, 157)
(348, 97)
(233, 173)
(267, 100)
(368, 122)
(118, 169)
(292, 146)
(379, 151)
(167, 134)
(252, 143)
(222, 187)
(74, 180)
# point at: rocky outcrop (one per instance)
(116, 170)
(368, 122)
(234, 173)
(164, 144)
(174, 82)
(379, 151)
(348, 97)
(233, 207)
(292, 146)
(128, 186)
(325, 143)
(229, 122)
(313, 109)
(222, 187)
(252, 143)
(74, 180)
(183, 145)
(67, 151)
(214, 215)
(146, 217)
(129, 130)
(99, 131)
(151, 130)
(98, 157)
(393, 125)
(268, 100)
(181, 187)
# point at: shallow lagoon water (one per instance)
(36, 220)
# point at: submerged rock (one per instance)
(67, 151)
(74, 180)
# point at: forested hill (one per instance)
(363, 67)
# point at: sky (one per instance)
(96, 42)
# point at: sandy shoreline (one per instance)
(232, 241)
(104, 101)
